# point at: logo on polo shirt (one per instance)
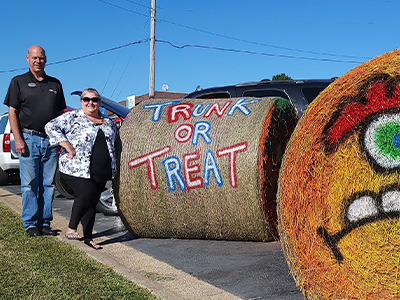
(32, 84)
(53, 91)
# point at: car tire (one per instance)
(106, 204)
(62, 187)
(4, 178)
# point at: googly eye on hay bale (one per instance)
(339, 187)
(203, 168)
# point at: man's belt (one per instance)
(34, 132)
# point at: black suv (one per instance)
(299, 92)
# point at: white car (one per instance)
(9, 162)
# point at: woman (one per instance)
(87, 160)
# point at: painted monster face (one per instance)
(372, 122)
(339, 190)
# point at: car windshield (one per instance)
(311, 93)
(3, 124)
(215, 95)
(265, 93)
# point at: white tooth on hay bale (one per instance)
(339, 187)
(203, 168)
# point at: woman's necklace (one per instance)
(97, 120)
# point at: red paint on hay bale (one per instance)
(339, 187)
(203, 168)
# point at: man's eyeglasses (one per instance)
(87, 99)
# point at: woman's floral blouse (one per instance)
(76, 128)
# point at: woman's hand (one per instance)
(68, 147)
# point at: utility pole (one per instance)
(152, 48)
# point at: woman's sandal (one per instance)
(73, 236)
(93, 244)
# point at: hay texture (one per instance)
(203, 168)
(339, 187)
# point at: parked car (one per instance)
(9, 162)
(299, 92)
(106, 205)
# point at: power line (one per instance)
(191, 46)
(230, 37)
(139, 4)
(259, 53)
(258, 43)
(83, 56)
(126, 67)
(100, 52)
(123, 8)
(116, 59)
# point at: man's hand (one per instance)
(20, 145)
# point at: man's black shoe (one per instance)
(33, 231)
(46, 230)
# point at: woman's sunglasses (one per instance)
(87, 99)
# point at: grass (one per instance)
(47, 268)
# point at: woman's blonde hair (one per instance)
(90, 90)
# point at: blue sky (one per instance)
(231, 41)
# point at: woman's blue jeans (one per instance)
(37, 169)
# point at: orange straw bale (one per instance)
(339, 187)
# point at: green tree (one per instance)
(281, 76)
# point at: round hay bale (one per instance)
(203, 168)
(339, 187)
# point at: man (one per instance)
(33, 99)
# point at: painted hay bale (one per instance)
(339, 187)
(203, 168)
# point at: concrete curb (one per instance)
(162, 279)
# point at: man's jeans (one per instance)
(37, 169)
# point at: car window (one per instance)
(311, 93)
(215, 95)
(3, 124)
(265, 93)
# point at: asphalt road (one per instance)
(249, 270)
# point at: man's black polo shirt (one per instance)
(37, 101)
